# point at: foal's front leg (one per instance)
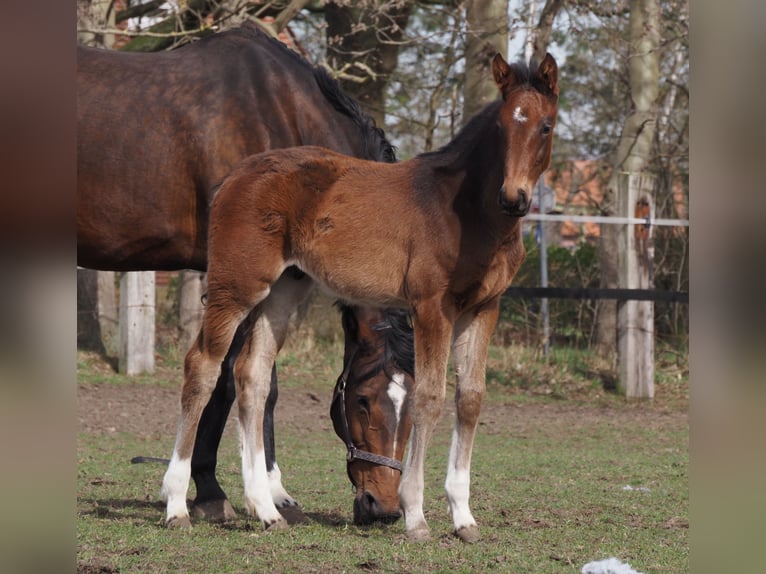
(432, 342)
(469, 350)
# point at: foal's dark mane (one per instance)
(456, 154)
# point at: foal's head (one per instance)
(378, 367)
(526, 118)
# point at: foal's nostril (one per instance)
(523, 200)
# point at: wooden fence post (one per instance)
(635, 319)
(192, 285)
(137, 304)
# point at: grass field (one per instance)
(553, 457)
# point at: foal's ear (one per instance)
(548, 72)
(504, 76)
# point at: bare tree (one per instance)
(633, 152)
(486, 35)
(363, 41)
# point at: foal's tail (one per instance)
(139, 459)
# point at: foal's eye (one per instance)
(546, 129)
(363, 402)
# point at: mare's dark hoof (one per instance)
(179, 522)
(294, 515)
(219, 510)
(468, 534)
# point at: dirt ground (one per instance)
(149, 410)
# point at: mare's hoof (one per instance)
(422, 534)
(179, 522)
(219, 510)
(294, 515)
(468, 534)
(280, 524)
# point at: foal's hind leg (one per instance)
(253, 375)
(211, 502)
(201, 369)
(471, 342)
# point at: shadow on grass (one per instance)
(152, 512)
(333, 519)
(121, 508)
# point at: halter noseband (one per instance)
(352, 452)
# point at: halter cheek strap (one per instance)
(352, 452)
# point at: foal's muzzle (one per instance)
(518, 208)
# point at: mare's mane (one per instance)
(376, 146)
(398, 341)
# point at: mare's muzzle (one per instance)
(519, 207)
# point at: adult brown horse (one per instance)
(156, 135)
(446, 249)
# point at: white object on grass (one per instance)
(608, 566)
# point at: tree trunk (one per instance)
(633, 149)
(542, 34)
(486, 35)
(95, 14)
(362, 42)
(88, 327)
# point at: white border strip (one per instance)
(605, 219)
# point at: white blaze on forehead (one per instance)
(519, 116)
(397, 393)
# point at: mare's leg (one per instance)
(285, 503)
(211, 502)
(432, 343)
(469, 349)
(201, 370)
(253, 375)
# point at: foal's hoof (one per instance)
(294, 515)
(468, 534)
(179, 522)
(219, 510)
(280, 524)
(422, 534)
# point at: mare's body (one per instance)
(158, 132)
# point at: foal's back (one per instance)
(356, 226)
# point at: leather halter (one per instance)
(352, 452)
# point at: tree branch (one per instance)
(289, 13)
(137, 33)
(137, 10)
